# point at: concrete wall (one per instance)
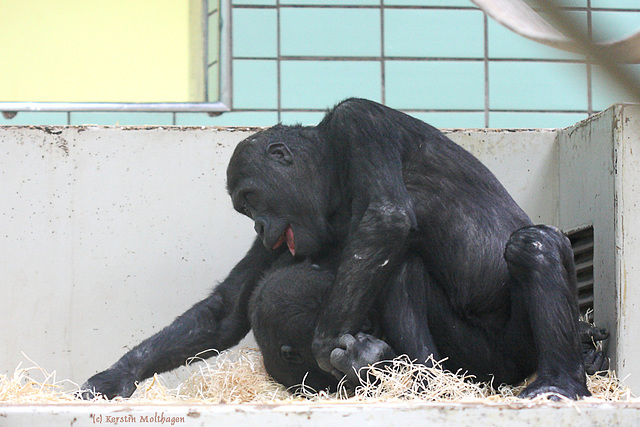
(109, 233)
(599, 166)
(626, 290)
(587, 198)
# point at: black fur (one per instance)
(284, 311)
(426, 241)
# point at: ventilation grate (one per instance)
(582, 245)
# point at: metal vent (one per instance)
(582, 245)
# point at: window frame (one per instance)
(220, 105)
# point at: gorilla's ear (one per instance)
(279, 152)
(289, 354)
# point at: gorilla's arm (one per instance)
(371, 140)
(217, 322)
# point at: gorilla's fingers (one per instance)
(600, 334)
(347, 342)
(590, 333)
(338, 358)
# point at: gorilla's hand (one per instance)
(113, 382)
(355, 353)
(593, 353)
(322, 346)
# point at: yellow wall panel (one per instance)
(99, 51)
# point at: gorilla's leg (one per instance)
(402, 311)
(418, 313)
(541, 265)
(405, 312)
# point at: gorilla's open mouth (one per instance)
(287, 235)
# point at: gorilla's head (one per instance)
(283, 311)
(282, 180)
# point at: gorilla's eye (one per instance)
(249, 203)
(251, 198)
(291, 355)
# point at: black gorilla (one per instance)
(419, 224)
(286, 304)
(284, 311)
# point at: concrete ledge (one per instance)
(383, 414)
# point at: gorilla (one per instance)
(426, 244)
(283, 312)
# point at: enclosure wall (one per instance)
(109, 233)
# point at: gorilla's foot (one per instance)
(569, 388)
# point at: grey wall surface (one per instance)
(600, 186)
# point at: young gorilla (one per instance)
(284, 311)
(498, 296)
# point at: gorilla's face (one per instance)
(295, 368)
(276, 179)
(283, 311)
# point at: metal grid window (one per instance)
(432, 59)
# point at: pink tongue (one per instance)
(291, 244)
(287, 235)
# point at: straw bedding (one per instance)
(238, 376)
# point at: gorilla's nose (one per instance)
(260, 225)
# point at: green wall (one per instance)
(442, 61)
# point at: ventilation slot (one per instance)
(582, 245)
